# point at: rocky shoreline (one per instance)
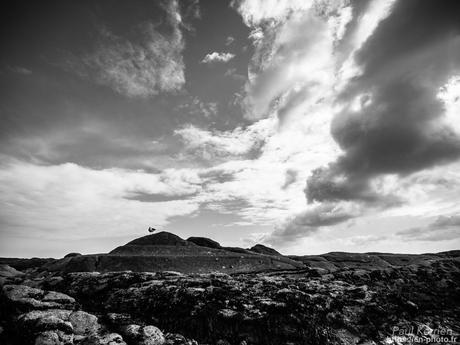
(335, 298)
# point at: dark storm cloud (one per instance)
(330, 184)
(442, 228)
(309, 222)
(398, 128)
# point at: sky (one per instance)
(308, 126)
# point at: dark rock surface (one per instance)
(347, 305)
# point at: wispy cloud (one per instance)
(77, 202)
(198, 107)
(229, 40)
(441, 229)
(217, 57)
(225, 144)
(141, 65)
(19, 70)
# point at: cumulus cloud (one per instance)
(398, 126)
(142, 64)
(217, 57)
(441, 229)
(256, 12)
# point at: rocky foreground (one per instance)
(337, 298)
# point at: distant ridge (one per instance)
(261, 249)
(165, 251)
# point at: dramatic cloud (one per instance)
(293, 65)
(142, 64)
(335, 128)
(393, 121)
(441, 229)
(217, 57)
(390, 111)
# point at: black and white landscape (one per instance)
(229, 172)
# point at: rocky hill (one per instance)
(164, 251)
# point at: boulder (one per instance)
(27, 298)
(104, 339)
(147, 335)
(84, 323)
(204, 242)
(39, 321)
(54, 338)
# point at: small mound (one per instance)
(71, 255)
(204, 242)
(160, 239)
(261, 249)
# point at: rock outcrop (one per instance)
(261, 249)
